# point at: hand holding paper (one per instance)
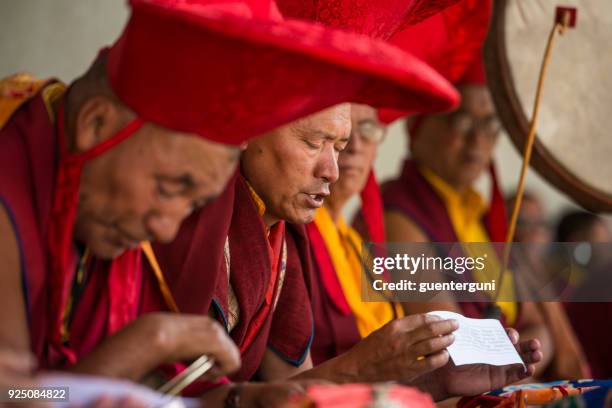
(480, 341)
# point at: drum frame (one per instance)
(515, 120)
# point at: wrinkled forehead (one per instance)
(333, 122)
(476, 100)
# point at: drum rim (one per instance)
(516, 123)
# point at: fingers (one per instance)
(431, 362)
(185, 337)
(532, 357)
(530, 351)
(412, 322)
(213, 374)
(221, 347)
(529, 346)
(432, 345)
(516, 373)
(513, 335)
(430, 330)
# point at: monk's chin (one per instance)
(303, 217)
(106, 251)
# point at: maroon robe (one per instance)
(29, 153)
(335, 325)
(28, 165)
(588, 319)
(195, 269)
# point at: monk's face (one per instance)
(143, 188)
(292, 167)
(459, 146)
(356, 160)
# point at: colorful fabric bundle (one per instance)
(579, 393)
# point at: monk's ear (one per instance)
(98, 119)
(243, 146)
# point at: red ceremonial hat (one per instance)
(378, 19)
(448, 41)
(230, 70)
(451, 42)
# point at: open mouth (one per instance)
(316, 200)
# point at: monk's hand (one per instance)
(473, 379)
(16, 368)
(16, 363)
(402, 350)
(183, 337)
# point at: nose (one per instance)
(327, 165)
(478, 136)
(163, 222)
(354, 145)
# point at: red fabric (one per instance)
(289, 339)
(195, 270)
(378, 19)
(496, 218)
(29, 178)
(62, 257)
(335, 330)
(235, 69)
(372, 210)
(28, 152)
(588, 319)
(276, 239)
(327, 272)
(449, 41)
(182, 264)
(334, 323)
(475, 73)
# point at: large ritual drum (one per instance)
(573, 148)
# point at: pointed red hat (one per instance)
(448, 41)
(375, 18)
(230, 70)
(451, 42)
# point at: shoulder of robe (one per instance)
(17, 89)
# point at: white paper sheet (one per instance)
(84, 389)
(480, 341)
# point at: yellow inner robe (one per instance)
(344, 246)
(465, 212)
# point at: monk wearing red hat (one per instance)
(259, 293)
(434, 199)
(131, 148)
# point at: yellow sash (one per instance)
(344, 246)
(465, 212)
